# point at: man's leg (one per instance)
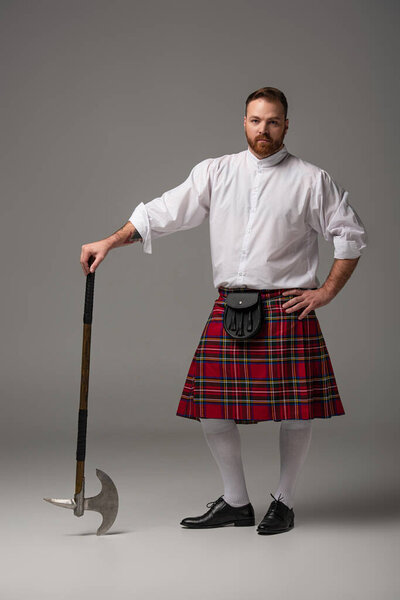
(294, 443)
(223, 439)
(233, 507)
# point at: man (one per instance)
(266, 208)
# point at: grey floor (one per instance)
(345, 543)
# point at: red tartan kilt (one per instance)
(284, 372)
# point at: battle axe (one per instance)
(106, 502)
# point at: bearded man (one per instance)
(266, 208)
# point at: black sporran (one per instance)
(243, 314)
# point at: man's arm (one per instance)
(309, 300)
(340, 272)
(127, 234)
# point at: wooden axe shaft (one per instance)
(83, 404)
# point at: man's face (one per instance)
(265, 126)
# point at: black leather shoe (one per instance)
(221, 513)
(279, 518)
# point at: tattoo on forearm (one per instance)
(136, 236)
(120, 233)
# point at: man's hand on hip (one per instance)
(307, 299)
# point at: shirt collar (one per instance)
(269, 161)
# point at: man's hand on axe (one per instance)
(127, 234)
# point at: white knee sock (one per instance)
(223, 439)
(294, 442)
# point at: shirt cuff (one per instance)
(346, 248)
(140, 220)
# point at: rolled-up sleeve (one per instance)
(331, 215)
(183, 207)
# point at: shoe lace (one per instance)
(212, 503)
(272, 508)
(277, 499)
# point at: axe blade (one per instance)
(106, 502)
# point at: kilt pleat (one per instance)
(284, 372)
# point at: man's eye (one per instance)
(273, 122)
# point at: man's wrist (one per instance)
(330, 291)
(111, 241)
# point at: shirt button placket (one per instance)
(246, 238)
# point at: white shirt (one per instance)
(264, 215)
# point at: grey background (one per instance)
(105, 104)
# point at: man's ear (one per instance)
(286, 125)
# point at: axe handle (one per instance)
(83, 405)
